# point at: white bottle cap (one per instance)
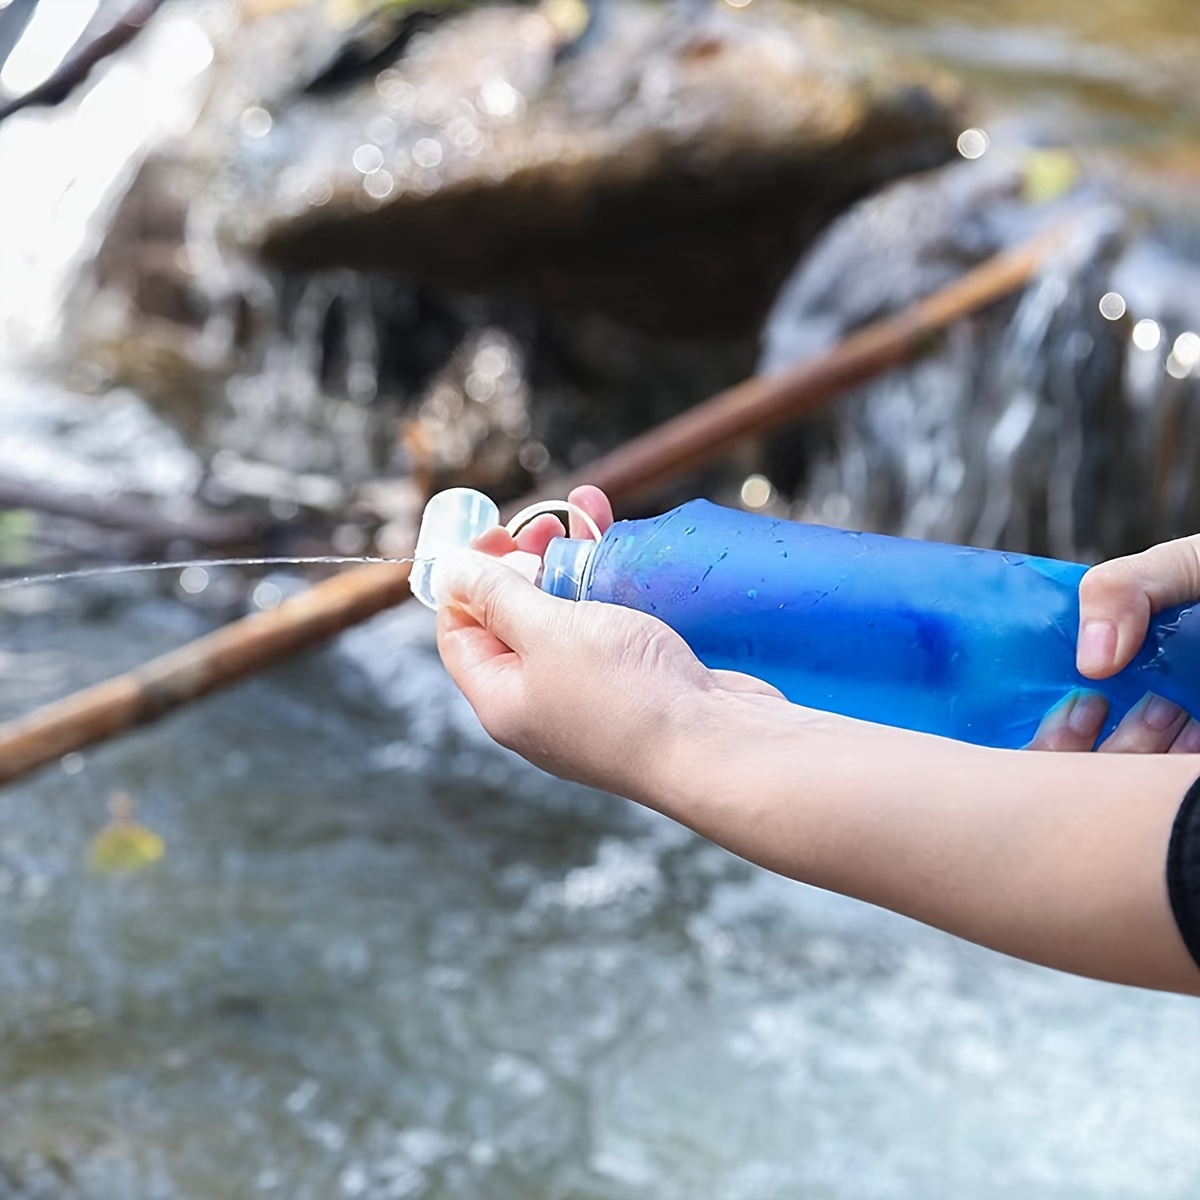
(452, 520)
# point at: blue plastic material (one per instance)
(970, 644)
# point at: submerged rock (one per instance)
(618, 220)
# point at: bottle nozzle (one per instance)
(452, 520)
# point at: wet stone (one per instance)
(666, 172)
(303, 277)
(1043, 423)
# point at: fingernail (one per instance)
(1097, 649)
(1087, 714)
(1188, 742)
(1160, 714)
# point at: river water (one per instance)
(381, 957)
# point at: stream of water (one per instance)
(383, 958)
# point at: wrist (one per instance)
(825, 799)
(727, 754)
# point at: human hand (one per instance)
(1116, 602)
(592, 692)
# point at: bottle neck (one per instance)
(565, 567)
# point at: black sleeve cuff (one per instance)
(1183, 870)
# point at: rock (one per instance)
(666, 176)
(1036, 425)
(619, 220)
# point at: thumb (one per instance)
(496, 593)
(1117, 599)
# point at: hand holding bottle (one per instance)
(591, 692)
(1054, 858)
(1117, 599)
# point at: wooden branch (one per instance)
(260, 641)
(132, 516)
(231, 653)
(82, 61)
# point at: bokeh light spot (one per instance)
(266, 595)
(1187, 349)
(256, 122)
(499, 98)
(1147, 335)
(757, 491)
(367, 158)
(427, 153)
(379, 185)
(193, 580)
(973, 143)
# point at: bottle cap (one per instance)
(452, 520)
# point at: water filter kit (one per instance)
(976, 645)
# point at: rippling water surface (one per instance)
(383, 958)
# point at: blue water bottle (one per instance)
(970, 644)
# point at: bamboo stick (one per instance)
(254, 643)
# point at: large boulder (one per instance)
(1057, 421)
(312, 279)
(667, 174)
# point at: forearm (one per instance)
(1059, 859)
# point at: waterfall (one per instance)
(60, 168)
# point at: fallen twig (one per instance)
(82, 61)
(132, 516)
(260, 641)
